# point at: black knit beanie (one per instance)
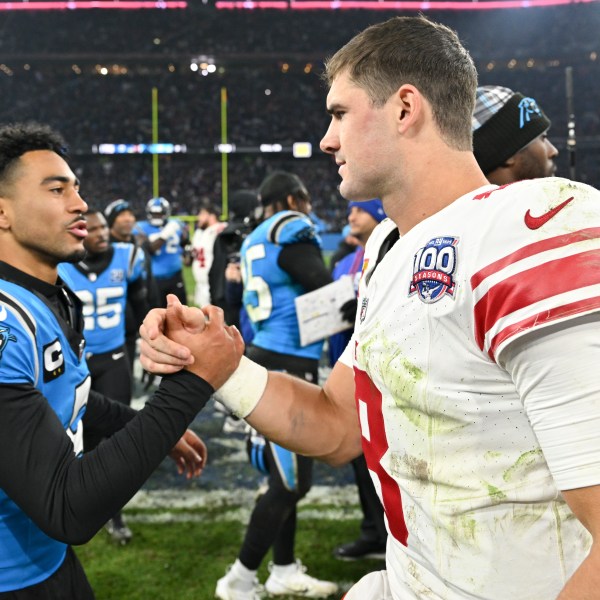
(504, 122)
(114, 209)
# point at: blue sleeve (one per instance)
(342, 266)
(141, 227)
(293, 228)
(19, 361)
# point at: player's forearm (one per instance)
(104, 416)
(585, 582)
(301, 417)
(314, 421)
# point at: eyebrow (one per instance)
(334, 107)
(61, 179)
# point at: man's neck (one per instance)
(34, 265)
(121, 238)
(430, 189)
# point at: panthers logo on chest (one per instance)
(5, 337)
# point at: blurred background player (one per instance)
(510, 136)
(166, 240)
(281, 259)
(207, 229)
(225, 277)
(109, 276)
(363, 217)
(346, 245)
(244, 211)
(121, 222)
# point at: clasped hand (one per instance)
(184, 337)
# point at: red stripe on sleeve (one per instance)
(533, 285)
(535, 248)
(547, 316)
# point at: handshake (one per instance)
(199, 340)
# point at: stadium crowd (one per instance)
(412, 155)
(269, 62)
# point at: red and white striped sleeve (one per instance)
(550, 271)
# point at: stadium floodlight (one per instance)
(302, 150)
(225, 148)
(158, 148)
(203, 64)
(270, 148)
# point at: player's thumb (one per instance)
(172, 300)
(174, 312)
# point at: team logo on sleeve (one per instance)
(5, 337)
(433, 270)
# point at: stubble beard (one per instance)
(76, 256)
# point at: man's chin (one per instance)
(76, 256)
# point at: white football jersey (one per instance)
(203, 242)
(473, 509)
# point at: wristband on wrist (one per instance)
(242, 391)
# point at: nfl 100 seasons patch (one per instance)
(434, 266)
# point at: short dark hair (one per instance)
(416, 51)
(18, 138)
(277, 186)
(94, 210)
(209, 206)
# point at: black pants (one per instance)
(372, 526)
(131, 335)
(273, 520)
(111, 376)
(68, 582)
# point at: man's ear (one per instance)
(291, 202)
(4, 217)
(410, 105)
(509, 163)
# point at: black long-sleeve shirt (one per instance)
(70, 498)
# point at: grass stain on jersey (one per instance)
(496, 494)
(406, 382)
(528, 461)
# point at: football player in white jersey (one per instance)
(474, 363)
(207, 229)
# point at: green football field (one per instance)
(182, 558)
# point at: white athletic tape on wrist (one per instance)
(242, 391)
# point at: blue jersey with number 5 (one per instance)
(269, 291)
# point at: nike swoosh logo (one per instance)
(118, 355)
(536, 222)
(3, 313)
